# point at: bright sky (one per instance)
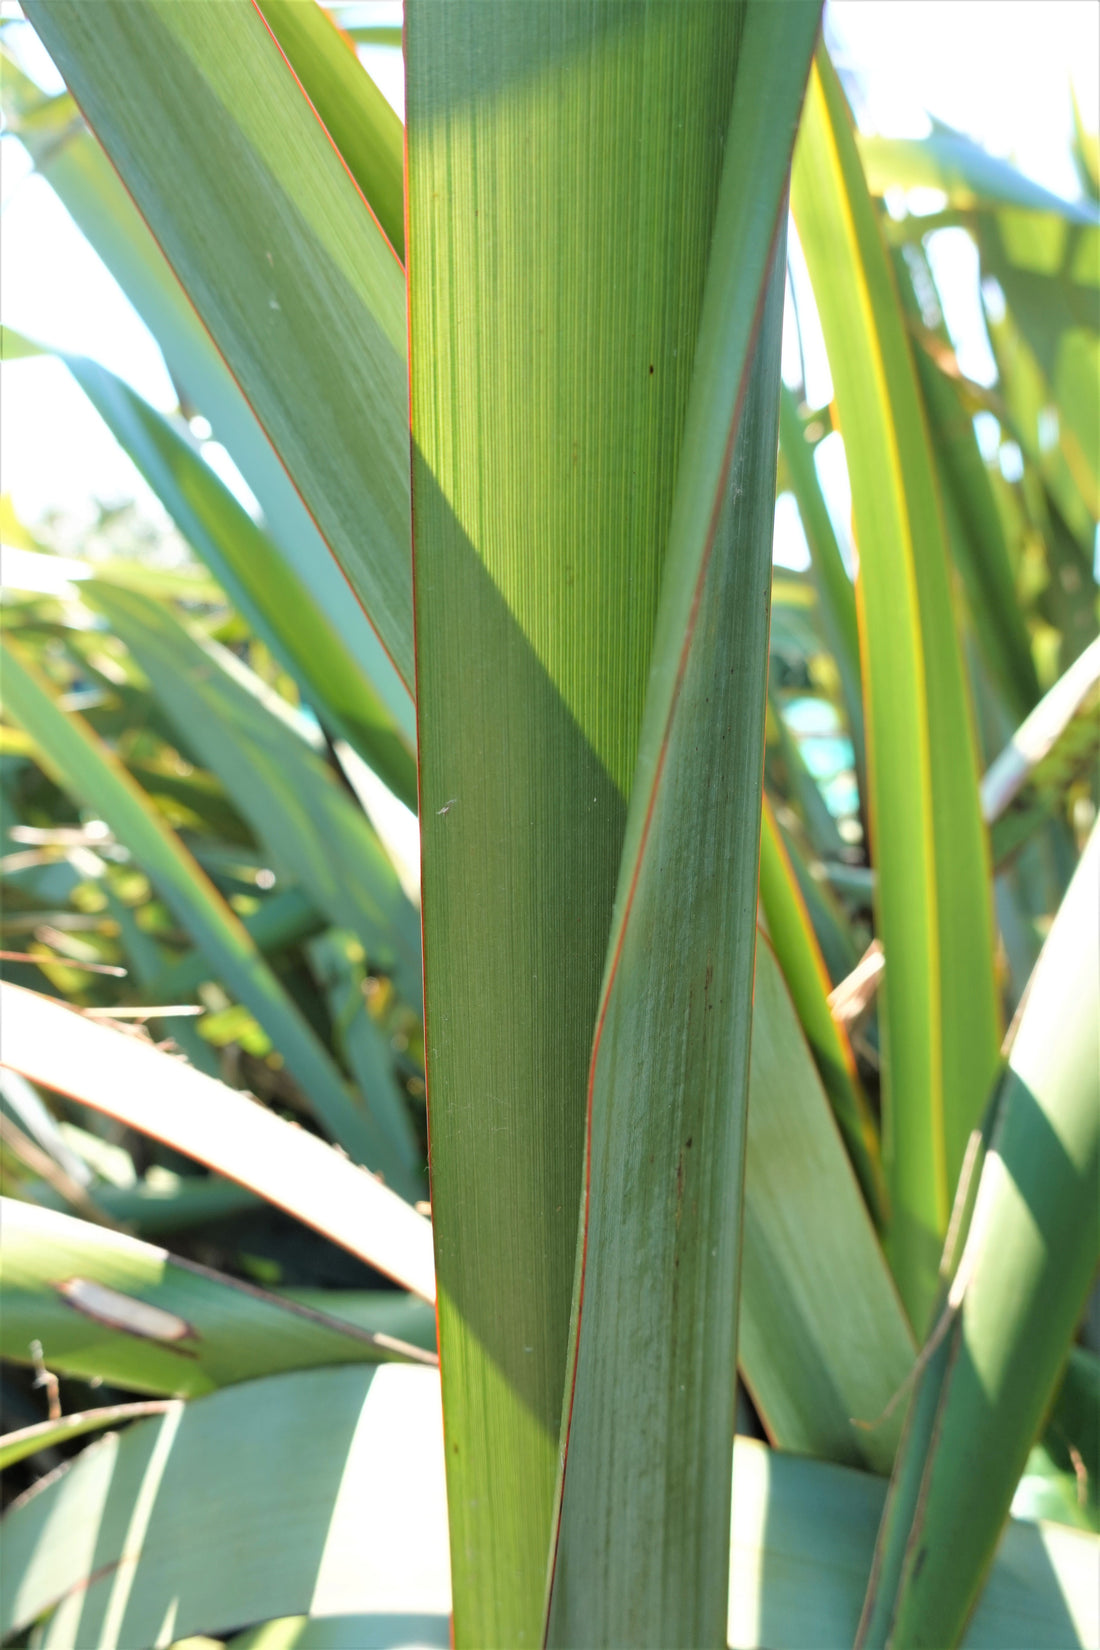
(999, 70)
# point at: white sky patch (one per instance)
(831, 464)
(999, 73)
(789, 547)
(954, 260)
(819, 380)
(221, 462)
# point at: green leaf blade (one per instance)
(357, 117)
(347, 1516)
(265, 589)
(930, 850)
(1030, 1254)
(639, 1556)
(300, 291)
(94, 774)
(148, 1090)
(544, 468)
(201, 1331)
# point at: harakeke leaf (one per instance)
(1017, 1293)
(92, 772)
(130, 1079)
(106, 1307)
(16, 1446)
(803, 1535)
(316, 835)
(799, 956)
(265, 588)
(347, 1516)
(838, 601)
(640, 1553)
(70, 159)
(357, 117)
(541, 191)
(939, 1014)
(270, 237)
(968, 175)
(1057, 744)
(823, 1341)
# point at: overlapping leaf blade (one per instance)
(803, 1534)
(644, 1416)
(16, 1446)
(317, 836)
(544, 461)
(265, 589)
(800, 958)
(823, 1342)
(838, 600)
(660, 1215)
(357, 117)
(67, 155)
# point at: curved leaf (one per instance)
(803, 1533)
(132, 1080)
(265, 589)
(107, 1307)
(316, 834)
(345, 1516)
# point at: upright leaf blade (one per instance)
(1030, 1254)
(357, 117)
(930, 852)
(823, 1342)
(837, 596)
(647, 1427)
(800, 958)
(540, 188)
